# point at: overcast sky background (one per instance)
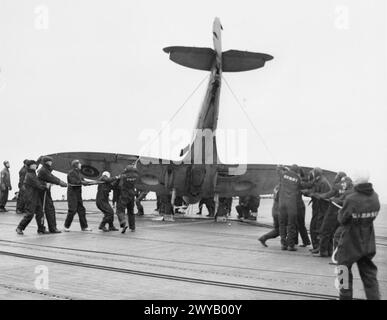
(93, 77)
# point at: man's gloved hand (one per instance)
(63, 184)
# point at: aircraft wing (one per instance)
(93, 163)
(252, 179)
(160, 175)
(152, 178)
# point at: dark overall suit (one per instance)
(329, 223)
(290, 186)
(275, 214)
(45, 175)
(74, 199)
(301, 220)
(102, 201)
(33, 204)
(5, 186)
(319, 208)
(140, 195)
(357, 240)
(20, 204)
(126, 202)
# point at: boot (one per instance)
(321, 254)
(43, 232)
(124, 228)
(263, 241)
(19, 231)
(112, 228)
(292, 248)
(103, 227)
(56, 231)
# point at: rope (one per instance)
(334, 203)
(176, 112)
(249, 119)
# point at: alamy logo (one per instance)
(342, 277)
(41, 280)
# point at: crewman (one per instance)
(329, 223)
(127, 198)
(102, 201)
(228, 203)
(357, 242)
(210, 205)
(346, 188)
(301, 228)
(243, 207)
(254, 202)
(319, 207)
(223, 207)
(20, 203)
(45, 175)
(5, 186)
(275, 214)
(74, 197)
(33, 204)
(116, 194)
(165, 206)
(290, 186)
(140, 195)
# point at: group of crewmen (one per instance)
(341, 224)
(34, 198)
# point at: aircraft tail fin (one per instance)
(203, 58)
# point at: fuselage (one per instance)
(203, 153)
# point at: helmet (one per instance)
(30, 162)
(75, 163)
(45, 159)
(339, 176)
(317, 172)
(106, 174)
(294, 168)
(347, 183)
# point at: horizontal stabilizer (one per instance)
(235, 61)
(192, 57)
(203, 58)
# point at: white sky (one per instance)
(96, 77)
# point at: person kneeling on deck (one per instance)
(33, 202)
(357, 240)
(127, 197)
(45, 175)
(102, 201)
(74, 197)
(248, 207)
